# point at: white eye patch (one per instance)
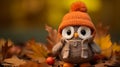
(68, 32)
(84, 32)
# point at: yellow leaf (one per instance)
(105, 44)
(116, 47)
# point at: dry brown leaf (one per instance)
(5, 49)
(52, 36)
(34, 64)
(14, 61)
(100, 65)
(113, 62)
(36, 51)
(2, 42)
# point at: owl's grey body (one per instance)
(74, 53)
(76, 50)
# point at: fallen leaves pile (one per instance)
(34, 54)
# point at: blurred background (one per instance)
(21, 20)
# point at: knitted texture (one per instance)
(77, 16)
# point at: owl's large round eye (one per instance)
(84, 32)
(68, 32)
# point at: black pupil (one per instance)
(68, 32)
(83, 32)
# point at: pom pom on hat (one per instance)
(78, 6)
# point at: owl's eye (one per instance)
(68, 32)
(84, 32)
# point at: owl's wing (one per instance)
(56, 49)
(95, 48)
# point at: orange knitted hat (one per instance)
(77, 17)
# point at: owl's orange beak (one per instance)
(75, 35)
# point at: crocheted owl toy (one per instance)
(76, 33)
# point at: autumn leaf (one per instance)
(2, 42)
(5, 49)
(103, 39)
(14, 61)
(116, 47)
(34, 64)
(36, 51)
(105, 45)
(52, 36)
(100, 65)
(108, 48)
